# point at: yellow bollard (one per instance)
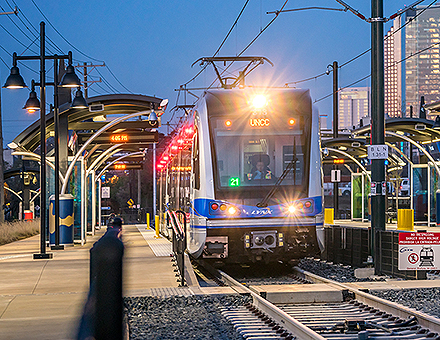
(405, 219)
(156, 224)
(148, 221)
(329, 215)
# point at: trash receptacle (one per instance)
(28, 215)
(66, 220)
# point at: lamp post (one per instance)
(70, 79)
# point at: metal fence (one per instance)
(351, 246)
(178, 227)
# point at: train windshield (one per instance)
(254, 151)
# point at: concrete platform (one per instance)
(395, 284)
(44, 299)
(299, 293)
(389, 226)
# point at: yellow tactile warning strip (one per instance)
(159, 246)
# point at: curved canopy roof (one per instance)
(356, 144)
(113, 104)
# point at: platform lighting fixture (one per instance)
(32, 104)
(15, 80)
(436, 124)
(13, 145)
(70, 79)
(79, 102)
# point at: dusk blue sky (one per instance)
(150, 45)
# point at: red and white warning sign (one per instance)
(419, 251)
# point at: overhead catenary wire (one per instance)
(59, 33)
(251, 43)
(17, 40)
(238, 55)
(215, 53)
(78, 50)
(34, 35)
(222, 43)
(361, 54)
(389, 66)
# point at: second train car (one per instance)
(246, 168)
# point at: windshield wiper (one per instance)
(290, 166)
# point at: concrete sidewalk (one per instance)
(44, 299)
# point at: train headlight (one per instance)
(291, 209)
(259, 101)
(269, 240)
(259, 240)
(223, 207)
(214, 206)
(308, 204)
(232, 210)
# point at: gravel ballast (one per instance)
(193, 317)
(421, 299)
(331, 271)
(424, 300)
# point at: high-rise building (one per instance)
(412, 61)
(392, 75)
(354, 104)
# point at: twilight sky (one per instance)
(149, 46)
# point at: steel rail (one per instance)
(282, 318)
(390, 307)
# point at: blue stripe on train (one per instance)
(203, 207)
(256, 226)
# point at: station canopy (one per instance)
(355, 143)
(135, 134)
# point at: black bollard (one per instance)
(106, 276)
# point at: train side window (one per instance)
(196, 160)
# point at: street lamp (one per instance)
(79, 102)
(32, 104)
(15, 80)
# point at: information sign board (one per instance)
(419, 251)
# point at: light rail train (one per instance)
(246, 170)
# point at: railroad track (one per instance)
(358, 315)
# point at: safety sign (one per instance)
(105, 192)
(419, 251)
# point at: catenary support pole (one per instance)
(43, 212)
(335, 135)
(377, 122)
